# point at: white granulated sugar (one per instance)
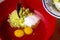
(1, 1)
(31, 20)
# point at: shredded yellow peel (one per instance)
(14, 20)
(19, 33)
(28, 30)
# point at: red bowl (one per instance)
(43, 31)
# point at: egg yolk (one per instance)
(28, 30)
(18, 33)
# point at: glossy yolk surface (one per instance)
(18, 33)
(28, 30)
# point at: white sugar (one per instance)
(31, 20)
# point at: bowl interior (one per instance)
(7, 31)
(44, 29)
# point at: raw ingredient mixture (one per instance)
(26, 21)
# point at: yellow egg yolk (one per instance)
(18, 33)
(28, 30)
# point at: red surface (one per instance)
(44, 30)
